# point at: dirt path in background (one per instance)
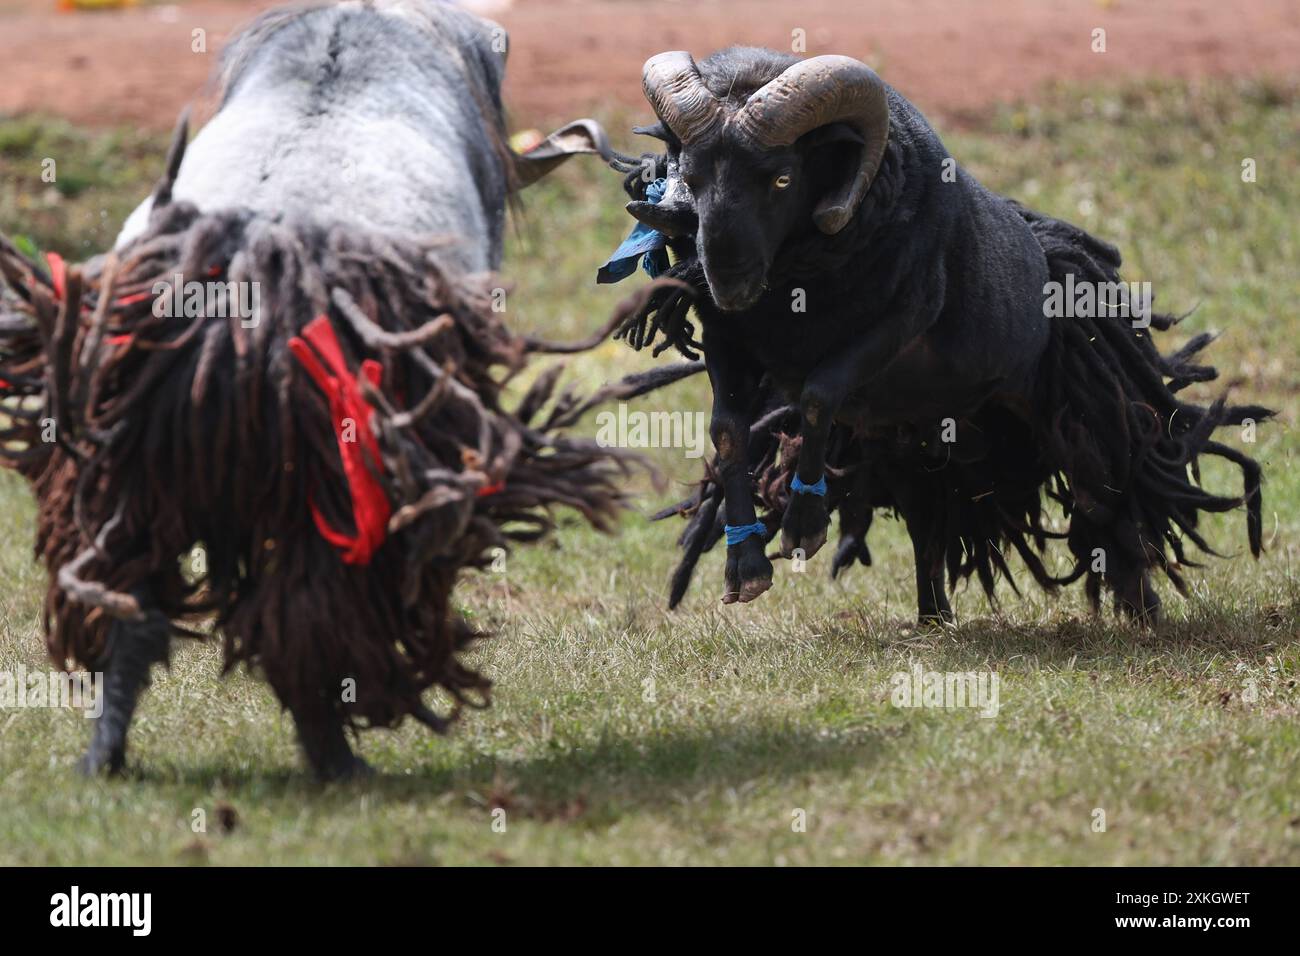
(954, 59)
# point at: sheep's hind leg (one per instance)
(1124, 570)
(1136, 598)
(932, 599)
(133, 647)
(931, 596)
(325, 743)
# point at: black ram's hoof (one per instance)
(944, 620)
(353, 768)
(102, 762)
(748, 574)
(804, 526)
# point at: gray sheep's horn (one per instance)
(814, 93)
(580, 136)
(676, 90)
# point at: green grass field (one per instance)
(623, 733)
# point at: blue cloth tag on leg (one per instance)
(799, 488)
(737, 533)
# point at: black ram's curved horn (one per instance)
(812, 94)
(675, 89)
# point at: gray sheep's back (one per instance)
(382, 117)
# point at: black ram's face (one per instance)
(747, 201)
(750, 132)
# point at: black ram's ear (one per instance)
(835, 152)
(658, 131)
(580, 136)
(833, 133)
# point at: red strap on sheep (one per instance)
(59, 279)
(493, 489)
(58, 274)
(370, 507)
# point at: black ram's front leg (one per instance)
(804, 524)
(803, 527)
(748, 572)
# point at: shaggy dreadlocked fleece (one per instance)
(1107, 438)
(175, 431)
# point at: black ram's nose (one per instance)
(736, 290)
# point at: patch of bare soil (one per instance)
(954, 59)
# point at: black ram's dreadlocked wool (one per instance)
(1108, 439)
(177, 431)
(1122, 444)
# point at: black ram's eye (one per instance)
(781, 182)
